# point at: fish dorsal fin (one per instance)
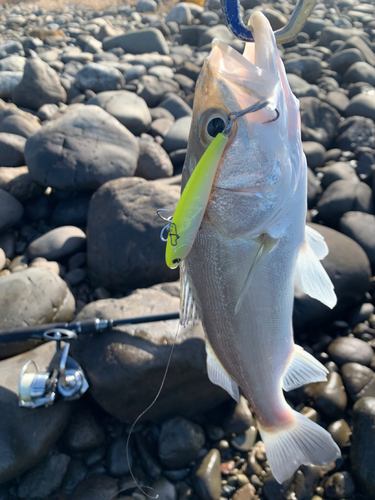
(188, 309)
(267, 244)
(303, 369)
(218, 375)
(311, 275)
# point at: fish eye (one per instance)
(215, 126)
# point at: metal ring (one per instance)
(59, 334)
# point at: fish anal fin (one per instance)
(218, 375)
(301, 442)
(188, 308)
(303, 369)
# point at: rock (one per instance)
(180, 442)
(75, 276)
(92, 146)
(177, 136)
(339, 485)
(2, 259)
(151, 90)
(96, 487)
(360, 227)
(139, 42)
(362, 451)
(332, 33)
(180, 14)
(329, 397)
(319, 121)
(11, 47)
(309, 68)
(300, 87)
(52, 265)
(84, 433)
(350, 350)
(18, 183)
(207, 478)
(75, 473)
(72, 211)
(359, 380)
(344, 196)
(341, 61)
(8, 81)
(164, 489)
(47, 111)
(245, 441)
(161, 127)
(314, 189)
(355, 132)
(58, 244)
(119, 363)
(45, 478)
(23, 124)
(124, 247)
(32, 297)
(339, 171)
(27, 436)
(12, 63)
(358, 43)
(220, 31)
(40, 85)
(348, 267)
(337, 100)
(129, 109)
(11, 210)
(153, 161)
(146, 6)
(117, 460)
(99, 78)
(12, 149)
(362, 105)
(360, 72)
(340, 430)
(239, 417)
(314, 154)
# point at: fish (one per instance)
(240, 239)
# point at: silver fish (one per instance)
(252, 245)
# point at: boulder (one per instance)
(139, 42)
(11, 210)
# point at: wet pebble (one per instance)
(329, 397)
(96, 487)
(340, 431)
(360, 227)
(350, 350)
(245, 441)
(207, 478)
(116, 461)
(239, 417)
(339, 485)
(359, 380)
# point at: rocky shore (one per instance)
(95, 112)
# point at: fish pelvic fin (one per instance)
(303, 369)
(218, 375)
(302, 442)
(311, 275)
(188, 308)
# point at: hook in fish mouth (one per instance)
(234, 115)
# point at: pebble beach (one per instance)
(95, 112)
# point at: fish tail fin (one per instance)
(302, 442)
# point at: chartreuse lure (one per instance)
(190, 209)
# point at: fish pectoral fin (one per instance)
(218, 375)
(188, 308)
(311, 275)
(267, 244)
(302, 442)
(303, 369)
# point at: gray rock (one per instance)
(319, 121)
(161, 126)
(11, 210)
(82, 150)
(17, 182)
(362, 105)
(32, 297)
(131, 360)
(8, 81)
(13, 63)
(75, 473)
(332, 33)
(2, 259)
(96, 487)
(362, 451)
(45, 478)
(350, 350)
(180, 442)
(337, 100)
(344, 196)
(72, 211)
(180, 14)
(300, 87)
(146, 6)
(93, 45)
(342, 61)
(117, 461)
(99, 78)
(314, 154)
(12, 149)
(153, 161)
(177, 136)
(19, 123)
(27, 436)
(309, 68)
(176, 106)
(358, 43)
(139, 42)
(164, 489)
(84, 432)
(359, 380)
(40, 85)
(329, 397)
(349, 269)
(355, 132)
(220, 31)
(129, 109)
(161, 72)
(245, 441)
(58, 244)
(339, 171)
(75, 276)
(207, 478)
(361, 228)
(11, 47)
(360, 72)
(124, 233)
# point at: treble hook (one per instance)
(171, 228)
(233, 19)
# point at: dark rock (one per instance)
(40, 85)
(75, 276)
(362, 105)
(337, 100)
(360, 72)
(350, 350)
(81, 150)
(342, 60)
(99, 78)
(124, 249)
(339, 485)
(75, 473)
(339, 171)
(340, 430)
(358, 43)
(314, 154)
(58, 243)
(117, 463)
(309, 68)
(361, 228)
(84, 433)
(176, 106)
(245, 441)
(139, 42)
(77, 260)
(17, 182)
(332, 33)
(72, 211)
(329, 397)
(177, 136)
(314, 189)
(355, 132)
(180, 442)
(27, 436)
(31, 297)
(12, 149)
(96, 487)
(362, 452)
(348, 267)
(153, 161)
(239, 417)
(11, 210)
(207, 478)
(131, 360)
(163, 488)
(359, 380)
(319, 121)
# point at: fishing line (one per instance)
(141, 415)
